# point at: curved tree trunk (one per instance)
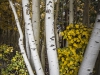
(50, 38)
(21, 45)
(34, 53)
(92, 50)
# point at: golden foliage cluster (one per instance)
(70, 57)
(10, 64)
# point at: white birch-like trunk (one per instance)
(36, 21)
(71, 12)
(34, 52)
(21, 40)
(50, 38)
(28, 52)
(92, 50)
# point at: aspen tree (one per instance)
(50, 38)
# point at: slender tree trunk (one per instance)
(55, 25)
(43, 53)
(71, 12)
(34, 53)
(21, 40)
(28, 52)
(86, 13)
(50, 38)
(36, 21)
(92, 50)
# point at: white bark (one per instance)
(28, 52)
(34, 52)
(21, 40)
(50, 38)
(71, 12)
(36, 21)
(92, 50)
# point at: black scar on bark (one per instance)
(48, 11)
(52, 45)
(50, 1)
(54, 49)
(20, 39)
(96, 41)
(52, 38)
(40, 69)
(98, 20)
(51, 6)
(88, 69)
(48, 17)
(90, 73)
(33, 48)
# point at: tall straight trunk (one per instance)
(55, 25)
(21, 45)
(92, 50)
(86, 13)
(32, 44)
(71, 12)
(36, 21)
(50, 38)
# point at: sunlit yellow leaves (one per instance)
(77, 26)
(16, 66)
(70, 58)
(62, 59)
(62, 33)
(77, 32)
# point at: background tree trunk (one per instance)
(71, 12)
(55, 25)
(86, 12)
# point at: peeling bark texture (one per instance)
(50, 38)
(21, 45)
(71, 12)
(92, 50)
(34, 53)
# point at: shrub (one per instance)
(70, 57)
